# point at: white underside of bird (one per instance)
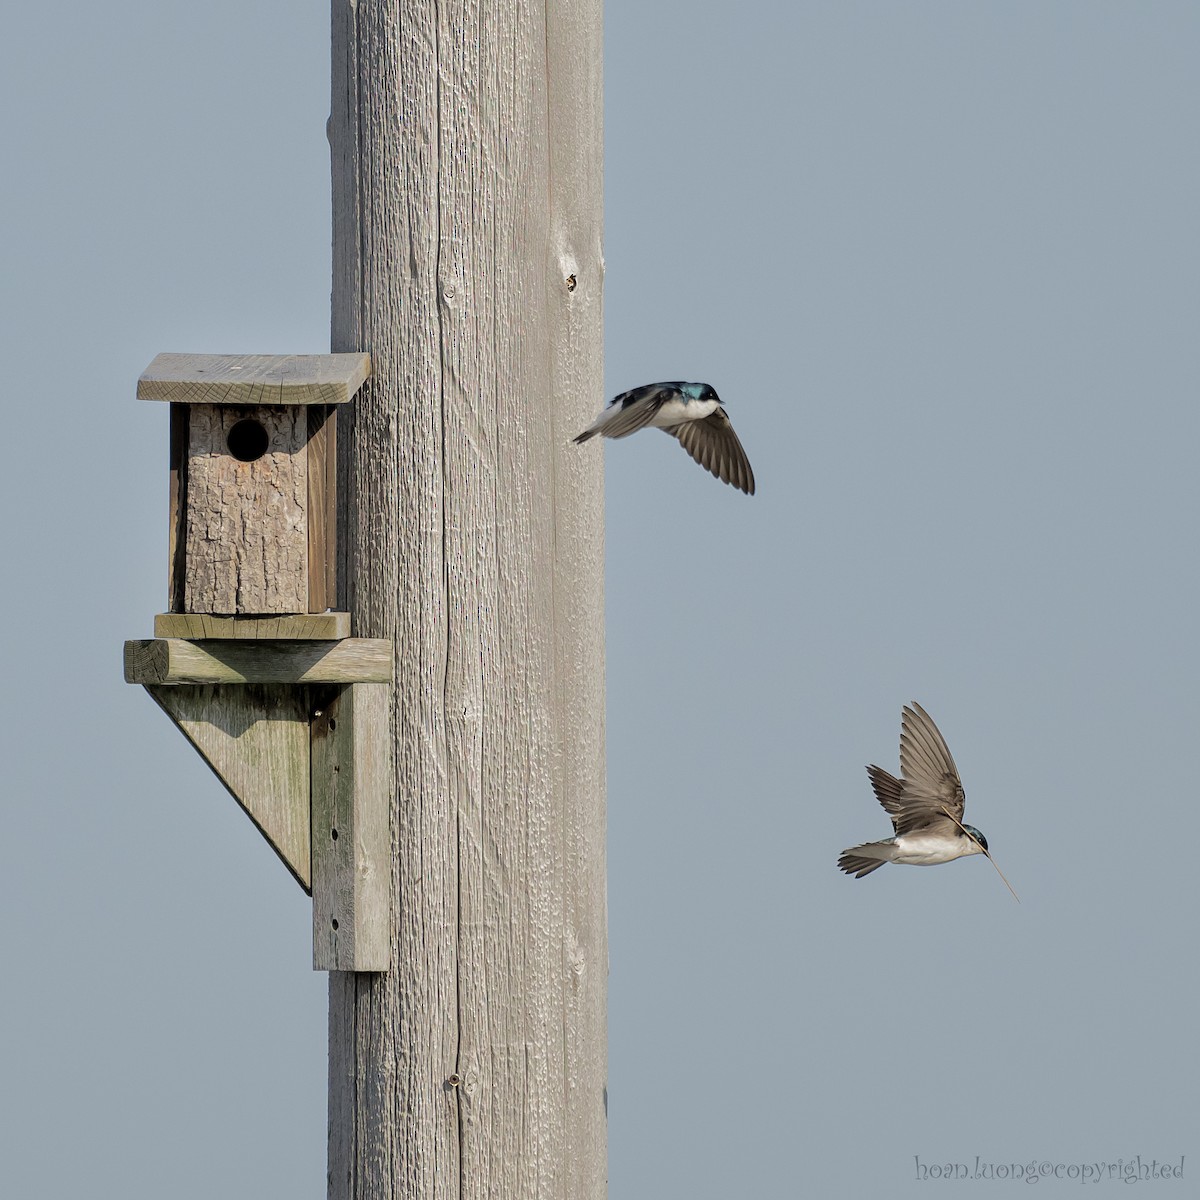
(918, 849)
(668, 415)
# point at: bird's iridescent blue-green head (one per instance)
(977, 836)
(700, 391)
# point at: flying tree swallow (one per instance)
(926, 806)
(691, 412)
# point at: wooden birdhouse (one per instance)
(253, 521)
(253, 662)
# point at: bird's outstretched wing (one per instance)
(714, 445)
(889, 791)
(931, 791)
(629, 412)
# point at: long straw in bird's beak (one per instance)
(1001, 874)
(987, 855)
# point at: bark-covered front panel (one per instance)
(246, 524)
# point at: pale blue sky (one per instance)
(942, 261)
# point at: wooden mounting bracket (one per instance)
(299, 732)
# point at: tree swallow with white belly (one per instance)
(926, 806)
(691, 412)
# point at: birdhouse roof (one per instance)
(254, 379)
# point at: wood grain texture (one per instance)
(575, 108)
(318, 627)
(175, 661)
(254, 378)
(352, 787)
(246, 523)
(256, 740)
(467, 261)
(322, 509)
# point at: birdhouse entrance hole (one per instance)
(247, 440)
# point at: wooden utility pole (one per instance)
(467, 194)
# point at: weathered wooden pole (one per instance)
(467, 195)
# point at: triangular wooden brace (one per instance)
(256, 739)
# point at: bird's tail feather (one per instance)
(587, 433)
(862, 860)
